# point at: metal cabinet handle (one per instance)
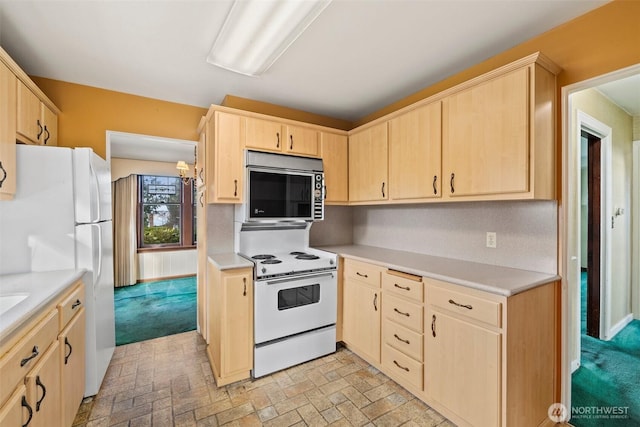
(44, 393)
(400, 366)
(40, 129)
(433, 325)
(244, 281)
(467, 306)
(383, 190)
(202, 200)
(76, 304)
(200, 174)
(375, 302)
(404, 288)
(435, 181)
(361, 275)
(400, 339)
(453, 190)
(47, 135)
(25, 404)
(401, 312)
(67, 356)
(4, 174)
(277, 139)
(235, 187)
(291, 143)
(34, 354)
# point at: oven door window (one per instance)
(280, 195)
(297, 297)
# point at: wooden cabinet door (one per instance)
(201, 157)
(201, 276)
(462, 368)
(415, 153)
(15, 412)
(43, 389)
(72, 357)
(264, 135)
(362, 319)
(486, 137)
(228, 169)
(50, 120)
(8, 105)
(29, 123)
(368, 171)
(237, 335)
(301, 140)
(334, 150)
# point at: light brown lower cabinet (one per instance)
(72, 359)
(478, 358)
(230, 346)
(43, 389)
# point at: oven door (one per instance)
(280, 195)
(291, 305)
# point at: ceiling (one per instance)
(151, 148)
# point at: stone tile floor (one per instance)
(168, 382)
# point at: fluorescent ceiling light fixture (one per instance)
(257, 32)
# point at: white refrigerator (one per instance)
(60, 218)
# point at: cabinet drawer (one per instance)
(403, 312)
(403, 286)
(25, 354)
(407, 341)
(70, 306)
(401, 367)
(476, 308)
(363, 272)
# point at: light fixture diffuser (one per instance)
(257, 32)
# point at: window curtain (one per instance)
(125, 243)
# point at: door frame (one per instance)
(635, 232)
(566, 247)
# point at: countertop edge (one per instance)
(229, 261)
(537, 279)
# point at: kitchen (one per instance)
(171, 120)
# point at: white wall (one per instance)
(162, 264)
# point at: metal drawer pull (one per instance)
(67, 344)
(400, 366)
(400, 339)
(433, 325)
(404, 288)
(361, 275)
(375, 300)
(75, 304)
(44, 392)
(401, 312)
(40, 129)
(34, 354)
(277, 139)
(47, 135)
(383, 190)
(467, 306)
(25, 404)
(291, 146)
(244, 281)
(453, 190)
(4, 174)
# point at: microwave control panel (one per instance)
(318, 197)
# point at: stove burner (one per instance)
(307, 256)
(263, 256)
(271, 261)
(296, 253)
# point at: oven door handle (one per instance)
(296, 278)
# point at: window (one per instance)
(166, 212)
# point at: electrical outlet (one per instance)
(492, 239)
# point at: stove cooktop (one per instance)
(292, 262)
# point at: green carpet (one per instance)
(608, 380)
(155, 309)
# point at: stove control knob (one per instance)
(330, 262)
(264, 270)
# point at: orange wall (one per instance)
(88, 112)
(603, 40)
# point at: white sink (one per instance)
(7, 302)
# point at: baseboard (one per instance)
(157, 279)
(575, 364)
(619, 326)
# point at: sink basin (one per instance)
(7, 302)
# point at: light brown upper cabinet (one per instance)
(334, 151)
(415, 154)
(36, 122)
(269, 135)
(499, 137)
(7, 133)
(368, 168)
(224, 167)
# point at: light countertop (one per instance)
(40, 289)
(490, 278)
(229, 261)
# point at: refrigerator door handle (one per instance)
(96, 227)
(96, 186)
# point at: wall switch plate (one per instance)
(492, 239)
